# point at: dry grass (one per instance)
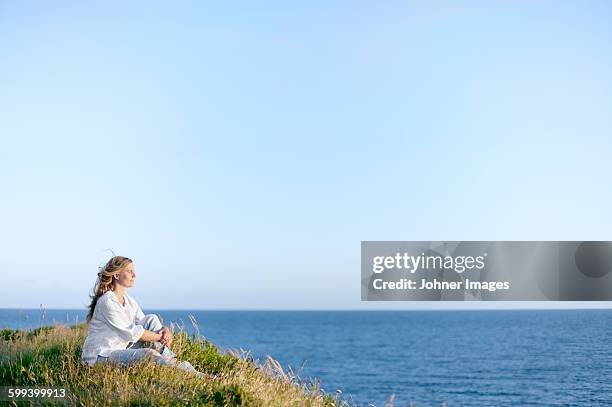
(51, 357)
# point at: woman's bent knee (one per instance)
(152, 322)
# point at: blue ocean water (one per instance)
(462, 358)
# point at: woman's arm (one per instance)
(150, 336)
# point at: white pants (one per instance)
(141, 350)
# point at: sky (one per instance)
(240, 152)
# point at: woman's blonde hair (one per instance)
(105, 280)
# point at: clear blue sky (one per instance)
(240, 152)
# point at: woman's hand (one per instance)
(167, 336)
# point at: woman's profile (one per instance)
(118, 331)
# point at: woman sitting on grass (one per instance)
(118, 331)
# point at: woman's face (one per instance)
(126, 276)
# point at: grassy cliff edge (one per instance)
(50, 356)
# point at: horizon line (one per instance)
(328, 309)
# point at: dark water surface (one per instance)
(464, 358)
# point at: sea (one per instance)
(429, 358)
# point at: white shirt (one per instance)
(113, 326)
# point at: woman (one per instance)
(118, 331)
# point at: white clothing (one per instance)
(112, 327)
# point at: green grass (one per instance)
(50, 356)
